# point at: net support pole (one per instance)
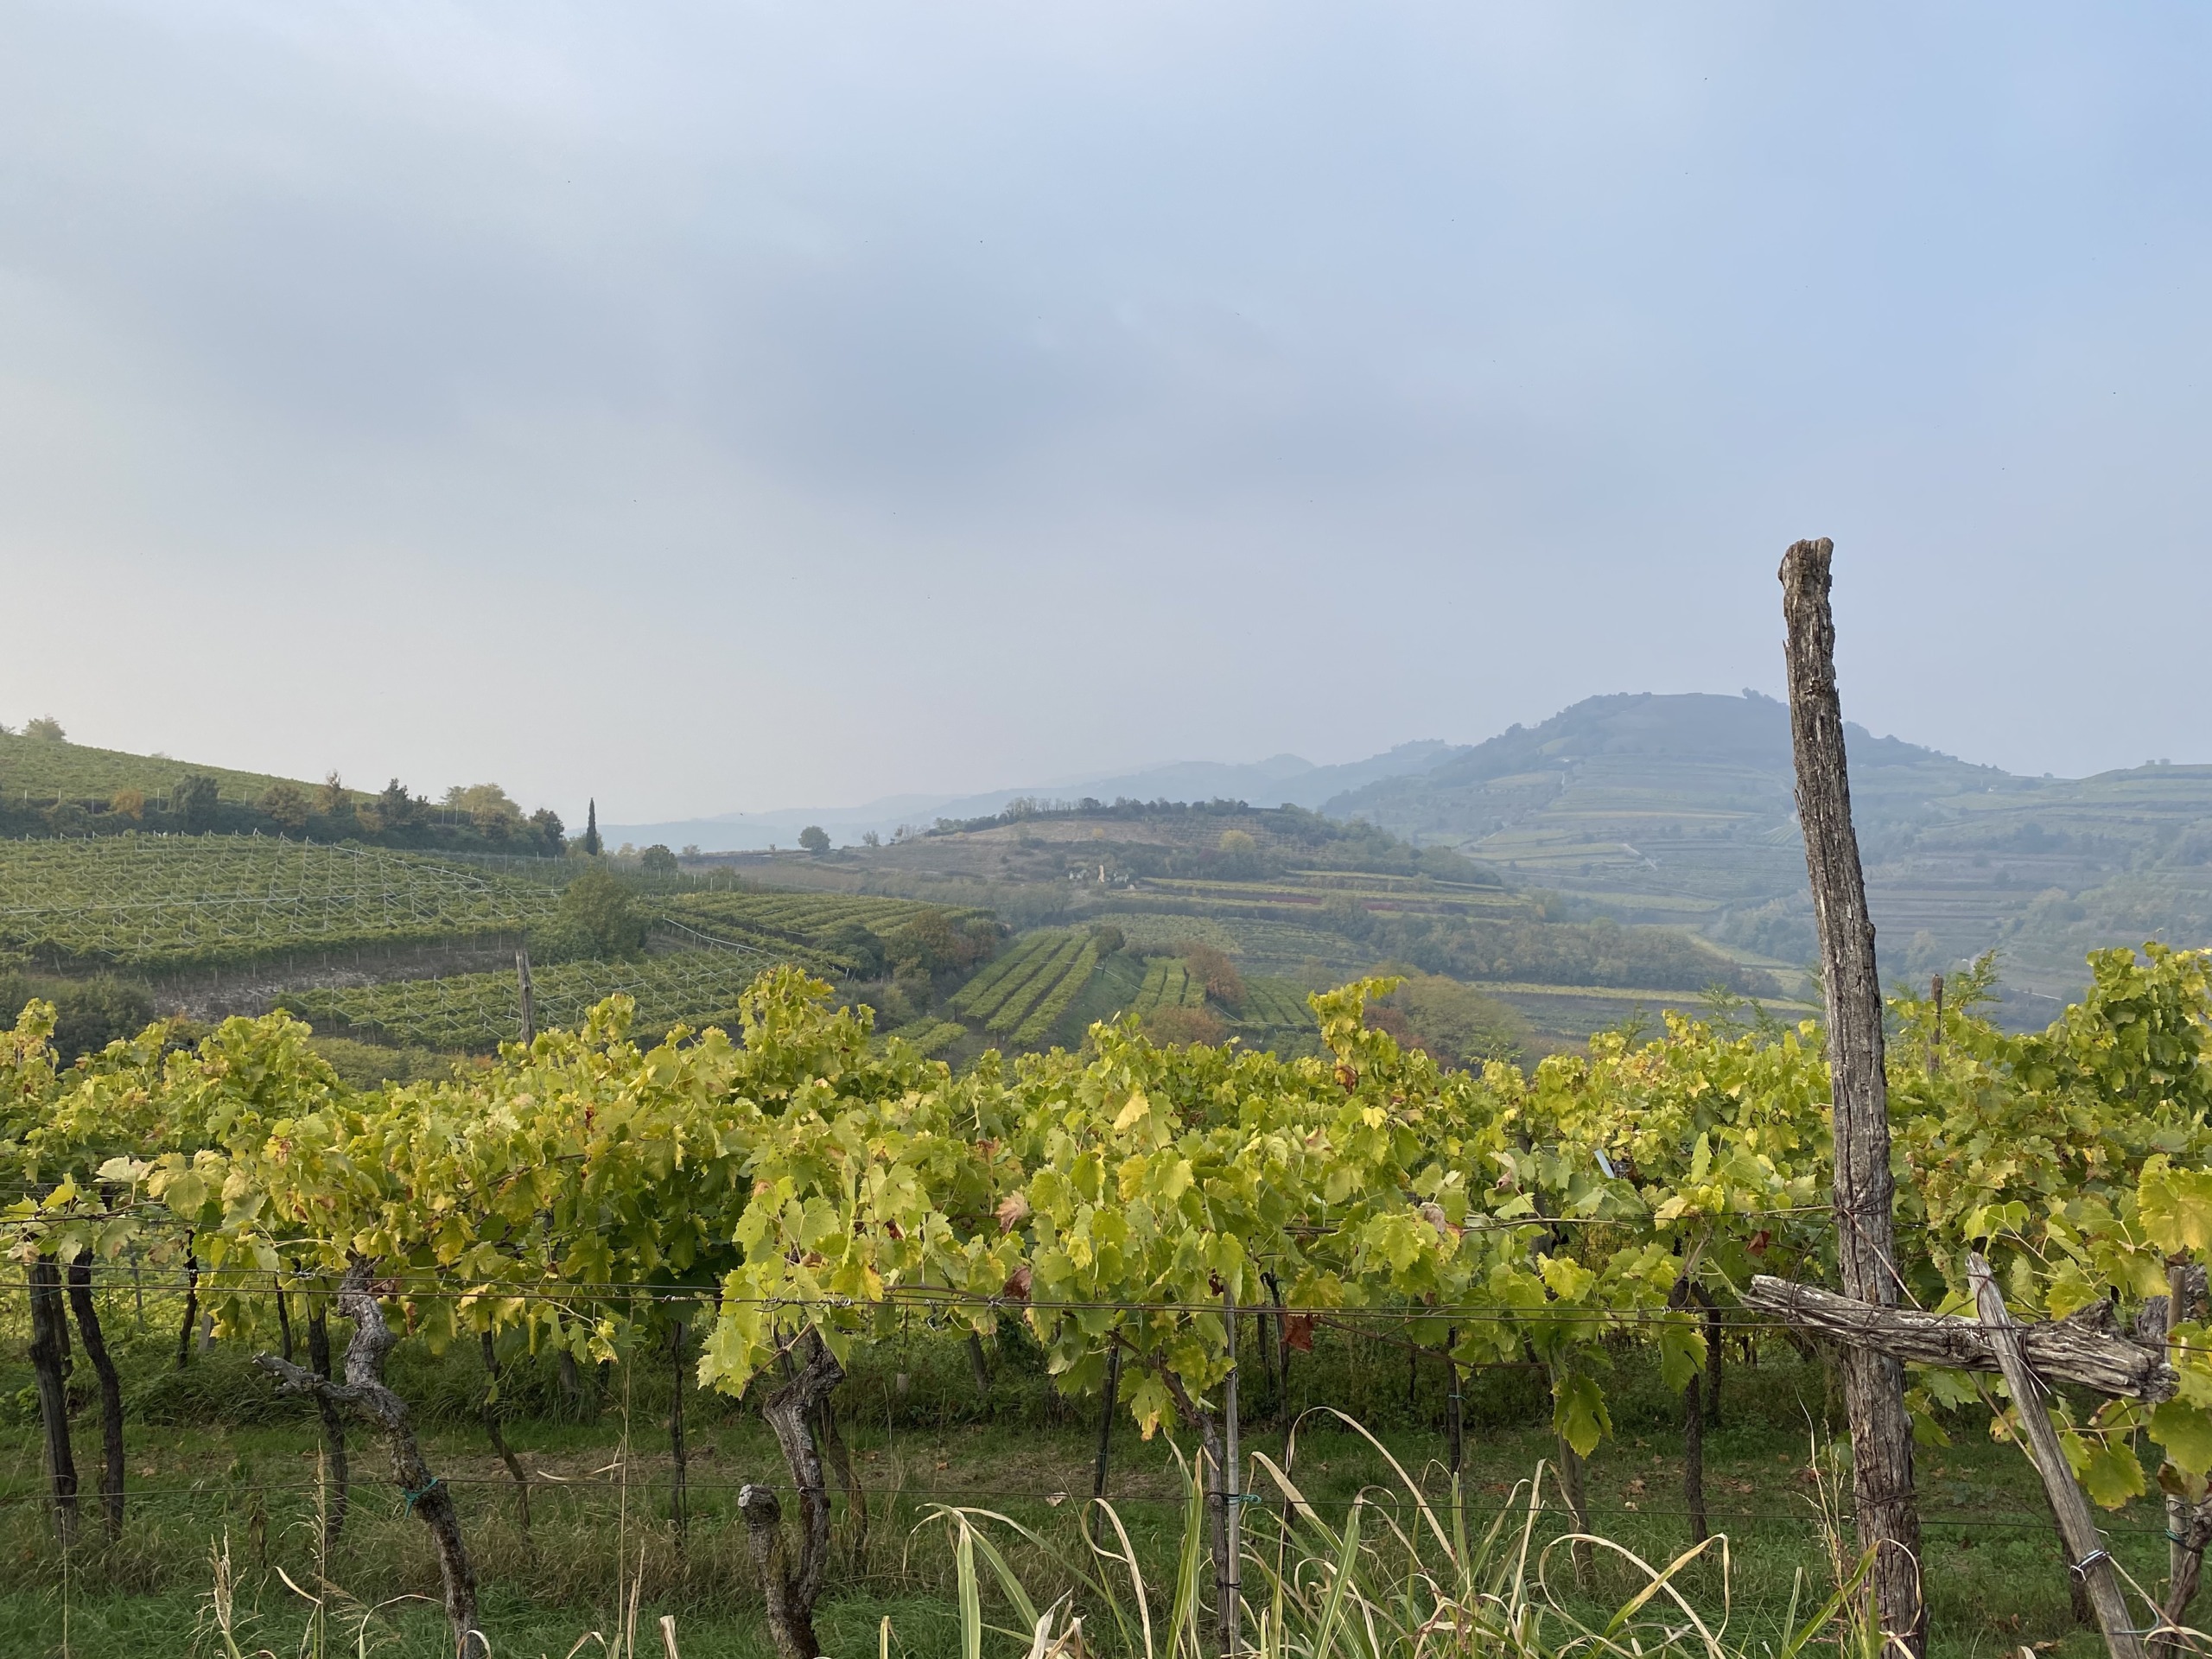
(523, 991)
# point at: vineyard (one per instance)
(164, 904)
(1277, 1002)
(474, 1014)
(811, 1212)
(43, 770)
(1168, 984)
(815, 917)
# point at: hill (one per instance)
(1283, 779)
(1678, 809)
(1293, 900)
(42, 771)
(52, 787)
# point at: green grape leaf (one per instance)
(1579, 1415)
(2186, 1432)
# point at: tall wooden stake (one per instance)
(1881, 1431)
(1455, 1433)
(1106, 1420)
(529, 1001)
(2084, 1546)
(1232, 1502)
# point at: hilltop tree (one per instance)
(591, 842)
(46, 728)
(815, 839)
(490, 809)
(287, 803)
(333, 799)
(395, 808)
(550, 831)
(657, 860)
(194, 798)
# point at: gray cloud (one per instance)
(714, 407)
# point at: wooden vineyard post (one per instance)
(2083, 1544)
(1455, 1433)
(1935, 1031)
(1106, 1420)
(2188, 1525)
(679, 1495)
(1231, 1588)
(1881, 1430)
(529, 1001)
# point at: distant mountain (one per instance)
(1284, 779)
(1680, 809)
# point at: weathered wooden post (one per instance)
(529, 999)
(2084, 1545)
(1935, 1031)
(1106, 1420)
(1881, 1430)
(1231, 1586)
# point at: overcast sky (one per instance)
(743, 405)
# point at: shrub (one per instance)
(288, 803)
(193, 798)
(597, 919)
(1213, 970)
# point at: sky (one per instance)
(719, 407)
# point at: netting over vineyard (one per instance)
(183, 901)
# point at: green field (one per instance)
(162, 904)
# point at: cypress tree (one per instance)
(591, 842)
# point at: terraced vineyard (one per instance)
(929, 1035)
(1168, 984)
(168, 903)
(475, 1013)
(1276, 1002)
(1024, 994)
(1312, 890)
(822, 923)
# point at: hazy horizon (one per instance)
(708, 408)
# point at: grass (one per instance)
(213, 1454)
